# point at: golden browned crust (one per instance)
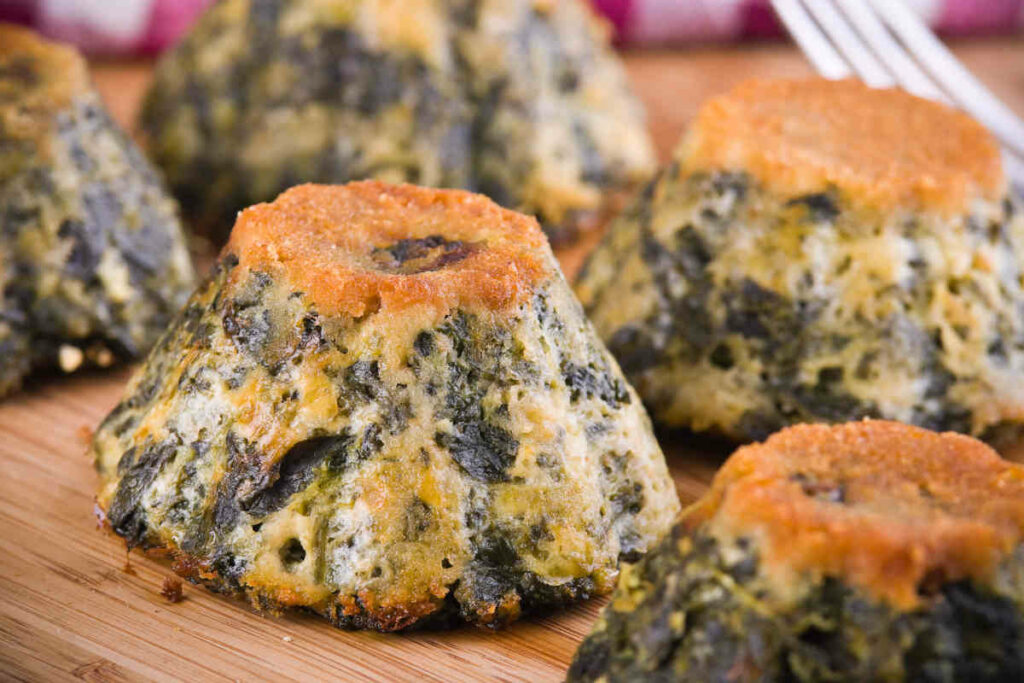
(331, 243)
(887, 507)
(886, 148)
(37, 78)
(380, 615)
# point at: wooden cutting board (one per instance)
(73, 605)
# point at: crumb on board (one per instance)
(171, 589)
(70, 357)
(287, 639)
(100, 355)
(84, 434)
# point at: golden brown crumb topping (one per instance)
(885, 148)
(887, 507)
(366, 246)
(37, 77)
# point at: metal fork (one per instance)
(886, 44)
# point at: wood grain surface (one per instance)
(73, 605)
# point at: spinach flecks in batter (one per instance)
(94, 256)
(235, 377)
(628, 499)
(418, 518)
(552, 464)
(828, 403)
(137, 470)
(949, 417)
(721, 357)
(757, 425)
(940, 379)
(684, 315)
(997, 349)
(200, 332)
(244, 477)
(735, 185)
(587, 381)
(477, 442)
(21, 68)
(634, 349)
(424, 343)
(86, 248)
(312, 332)
(694, 623)
(332, 481)
(397, 414)
(250, 329)
(370, 443)
(592, 162)
(754, 311)
(690, 611)
(545, 315)
(346, 71)
(296, 471)
(195, 381)
(539, 594)
(539, 533)
(727, 275)
(831, 375)
(483, 450)
(976, 637)
(691, 253)
(493, 570)
(821, 206)
(229, 566)
(363, 378)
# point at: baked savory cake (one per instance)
(92, 261)
(521, 100)
(386, 406)
(820, 251)
(868, 551)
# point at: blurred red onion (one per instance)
(148, 26)
(107, 26)
(666, 21)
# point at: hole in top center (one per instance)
(422, 254)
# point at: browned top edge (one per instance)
(884, 148)
(37, 74)
(331, 241)
(885, 506)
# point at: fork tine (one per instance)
(811, 40)
(849, 44)
(890, 52)
(960, 83)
